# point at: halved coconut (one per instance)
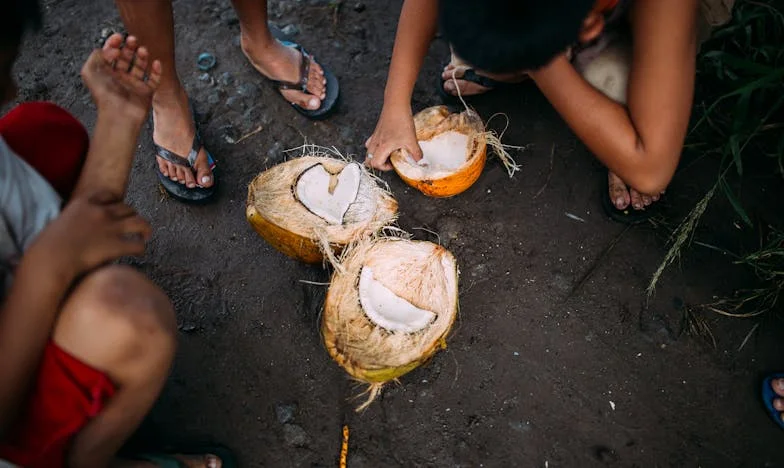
(389, 308)
(454, 148)
(307, 203)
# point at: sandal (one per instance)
(768, 395)
(330, 100)
(471, 75)
(180, 191)
(168, 460)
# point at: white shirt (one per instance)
(27, 204)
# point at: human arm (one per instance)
(395, 128)
(87, 234)
(123, 97)
(640, 142)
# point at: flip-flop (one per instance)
(768, 395)
(329, 103)
(167, 460)
(474, 77)
(628, 215)
(180, 191)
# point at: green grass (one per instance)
(740, 119)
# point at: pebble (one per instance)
(275, 152)
(229, 134)
(248, 90)
(285, 412)
(295, 436)
(226, 79)
(236, 103)
(214, 98)
(290, 30)
(359, 7)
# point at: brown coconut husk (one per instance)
(422, 273)
(275, 213)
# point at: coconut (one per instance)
(454, 148)
(315, 205)
(389, 308)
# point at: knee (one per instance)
(116, 316)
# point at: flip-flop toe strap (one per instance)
(304, 73)
(186, 161)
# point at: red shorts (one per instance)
(67, 392)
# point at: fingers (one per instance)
(414, 151)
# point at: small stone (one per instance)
(236, 103)
(275, 153)
(226, 79)
(229, 17)
(229, 134)
(359, 7)
(295, 436)
(285, 412)
(214, 99)
(290, 30)
(188, 327)
(248, 90)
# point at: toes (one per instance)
(203, 173)
(778, 386)
(637, 202)
(778, 403)
(646, 200)
(619, 194)
(190, 178)
(163, 166)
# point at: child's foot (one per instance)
(121, 79)
(278, 62)
(623, 196)
(480, 82)
(778, 403)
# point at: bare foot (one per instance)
(778, 403)
(282, 63)
(623, 196)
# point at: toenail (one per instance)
(779, 384)
(313, 103)
(205, 179)
(619, 202)
(637, 206)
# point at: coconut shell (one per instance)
(432, 122)
(277, 216)
(424, 274)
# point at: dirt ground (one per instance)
(557, 359)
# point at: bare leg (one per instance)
(152, 22)
(272, 59)
(135, 348)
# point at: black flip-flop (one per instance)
(328, 104)
(474, 77)
(180, 191)
(628, 215)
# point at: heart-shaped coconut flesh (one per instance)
(388, 310)
(328, 195)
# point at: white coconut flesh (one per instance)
(387, 310)
(445, 152)
(329, 196)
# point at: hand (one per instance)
(91, 232)
(121, 78)
(394, 130)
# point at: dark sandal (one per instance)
(628, 215)
(474, 77)
(332, 88)
(167, 460)
(180, 191)
(768, 395)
